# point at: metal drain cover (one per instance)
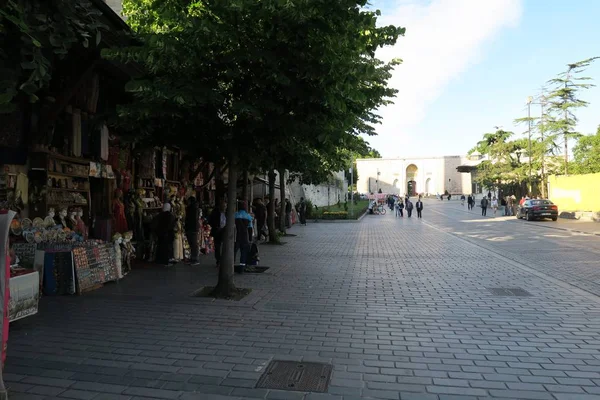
(513, 292)
(297, 376)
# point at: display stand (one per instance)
(24, 295)
(66, 180)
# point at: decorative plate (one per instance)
(61, 235)
(49, 222)
(15, 227)
(29, 237)
(37, 237)
(38, 222)
(26, 224)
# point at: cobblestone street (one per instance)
(402, 309)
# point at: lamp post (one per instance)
(529, 101)
(377, 187)
(351, 170)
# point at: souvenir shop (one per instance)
(84, 199)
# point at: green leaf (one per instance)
(98, 37)
(29, 88)
(28, 65)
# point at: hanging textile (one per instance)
(23, 187)
(104, 142)
(76, 137)
(146, 165)
(85, 134)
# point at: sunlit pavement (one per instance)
(402, 308)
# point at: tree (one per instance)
(248, 81)
(35, 34)
(503, 169)
(563, 101)
(587, 154)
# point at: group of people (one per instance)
(250, 227)
(165, 228)
(399, 205)
(490, 201)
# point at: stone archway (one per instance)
(411, 179)
(428, 188)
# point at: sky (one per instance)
(469, 66)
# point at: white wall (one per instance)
(440, 171)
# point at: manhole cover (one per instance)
(297, 376)
(513, 292)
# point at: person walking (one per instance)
(260, 213)
(495, 205)
(469, 202)
(164, 228)
(192, 225)
(302, 211)
(419, 207)
(484, 206)
(409, 208)
(288, 214)
(243, 221)
(217, 221)
(462, 200)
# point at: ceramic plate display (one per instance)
(38, 222)
(15, 227)
(49, 222)
(37, 237)
(26, 224)
(29, 237)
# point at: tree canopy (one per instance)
(586, 154)
(266, 84)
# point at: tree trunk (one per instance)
(245, 188)
(566, 155)
(225, 286)
(219, 185)
(283, 215)
(273, 238)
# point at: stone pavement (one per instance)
(400, 307)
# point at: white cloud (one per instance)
(443, 38)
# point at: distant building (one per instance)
(422, 175)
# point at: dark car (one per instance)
(538, 209)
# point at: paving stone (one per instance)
(393, 319)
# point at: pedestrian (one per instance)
(470, 202)
(260, 212)
(288, 213)
(302, 211)
(419, 206)
(164, 225)
(494, 205)
(484, 206)
(409, 208)
(243, 221)
(462, 200)
(217, 221)
(192, 226)
(400, 209)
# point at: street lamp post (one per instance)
(351, 191)
(529, 101)
(377, 187)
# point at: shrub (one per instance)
(310, 209)
(335, 215)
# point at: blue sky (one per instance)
(469, 65)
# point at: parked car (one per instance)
(538, 209)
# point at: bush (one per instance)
(335, 215)
(346, 206)
(309, 209)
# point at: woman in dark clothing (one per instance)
(164, 229)
(192, 225)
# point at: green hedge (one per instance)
(335, 215)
